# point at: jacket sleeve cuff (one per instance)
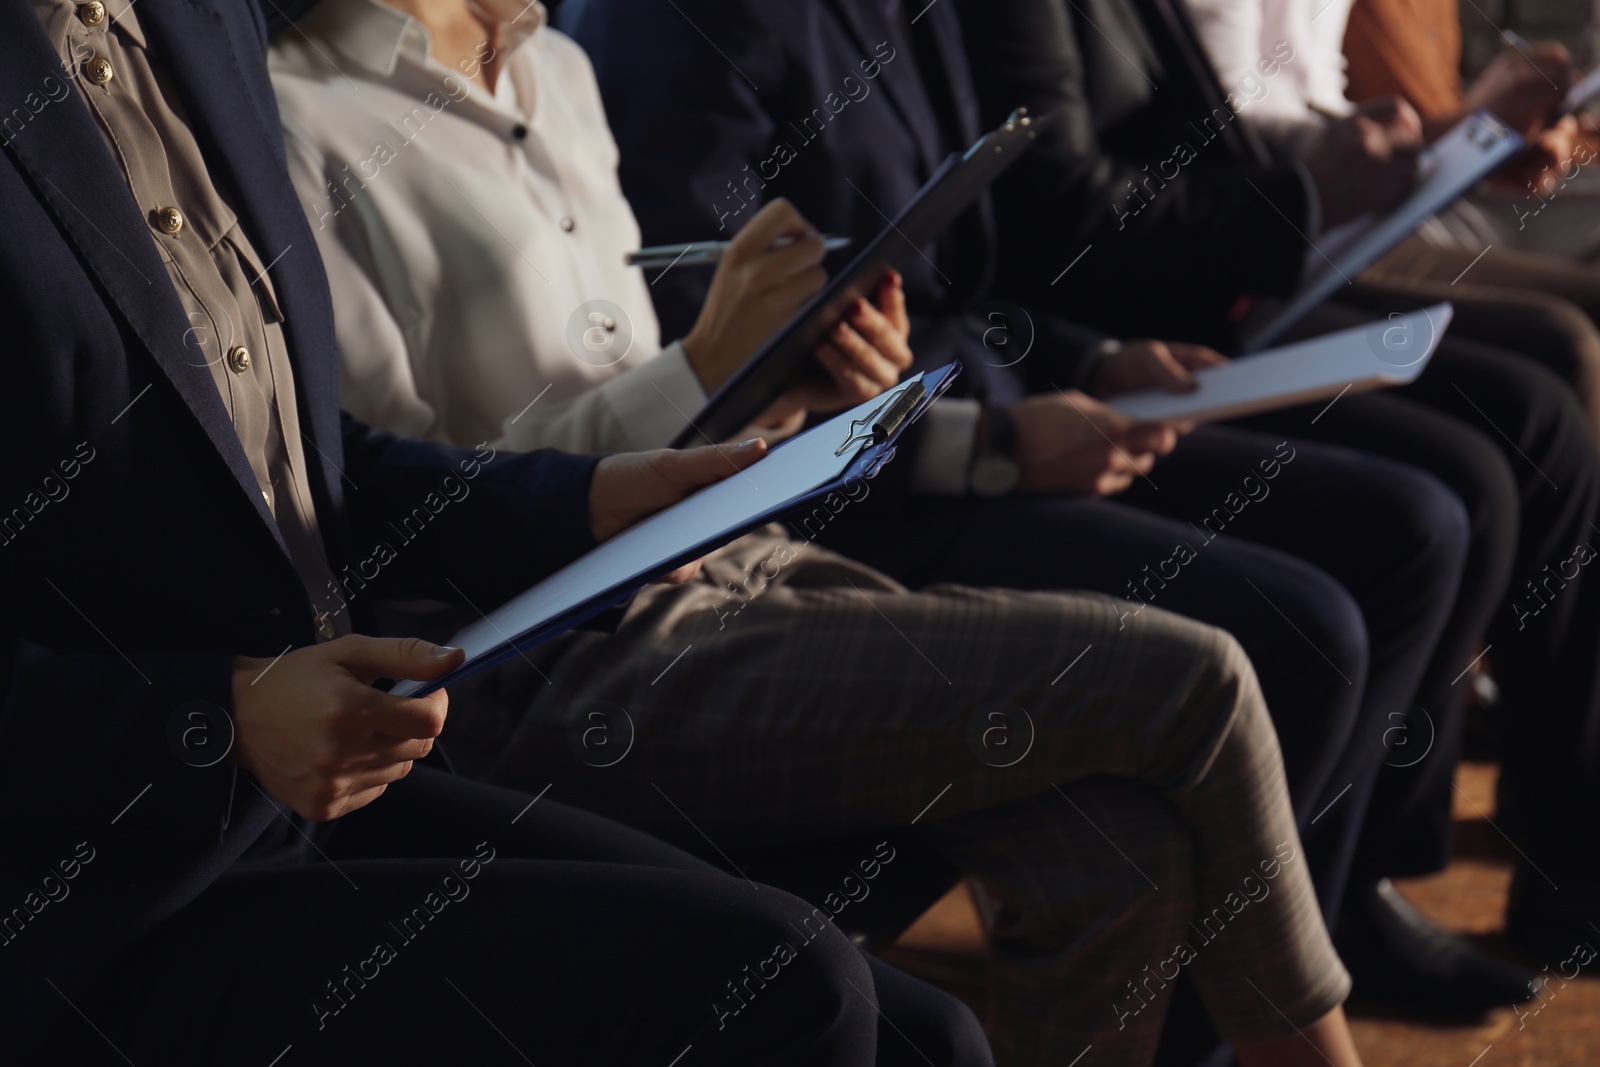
(948, 429)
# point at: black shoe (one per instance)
(1548, 924)
(1402, 961)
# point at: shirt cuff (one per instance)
(660, 397)
(1083, 377)
(946, 447)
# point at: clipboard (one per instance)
(852, 446)
(786, 356)
(1455, 163)
(1375, 355)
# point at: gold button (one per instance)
(239, 359)
(324, 621)
(98, 70)
(92, 13)
(170, 219)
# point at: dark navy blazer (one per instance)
(744, 101)
(137, 557)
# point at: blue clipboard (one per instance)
(852, 446)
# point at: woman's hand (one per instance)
(864, 355)
(630, 486)
(756, 289)
(1554, 157)
(1522, 89)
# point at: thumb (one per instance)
(1196, 357)
(409, 658)
(1406, 124)
(1171, 374)
(692, 468)
(1147, 437)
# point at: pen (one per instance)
(704, 253)
(1516, 40)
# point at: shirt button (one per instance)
(239, 359)
(567, 224)
(170, 219)
(98, 70)
(92, 14)
(324, 624)
(520, 132)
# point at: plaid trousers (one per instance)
(1111, 782)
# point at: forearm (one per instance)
(642, 408)
(448, 522)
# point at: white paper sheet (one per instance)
(1389, 351)
(1455, 163)
(787, 473)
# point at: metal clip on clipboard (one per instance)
(881, 424)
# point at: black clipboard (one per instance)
(782, 361)
(861, 439)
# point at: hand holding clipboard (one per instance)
(783, 360)
(1450, 166)
(805, 469)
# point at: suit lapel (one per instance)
(82, 186)
(900, 79)
(952, 52)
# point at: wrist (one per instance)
(705, 352)
(995, 471)
(1093, 368)
(694, 347)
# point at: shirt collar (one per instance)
(376, 35)
(120, 12)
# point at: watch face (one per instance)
(993, 475)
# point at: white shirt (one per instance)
(468, 237)
(1301, 41)
(478, 285)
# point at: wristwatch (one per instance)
(994, 471)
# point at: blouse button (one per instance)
(239, 359)
(98, 70)
(92, 13)
(567, 224)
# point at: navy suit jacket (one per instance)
(721, 105)
(1145, 162)
(137, 557)
(744, 101)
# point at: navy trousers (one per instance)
(454, 922)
